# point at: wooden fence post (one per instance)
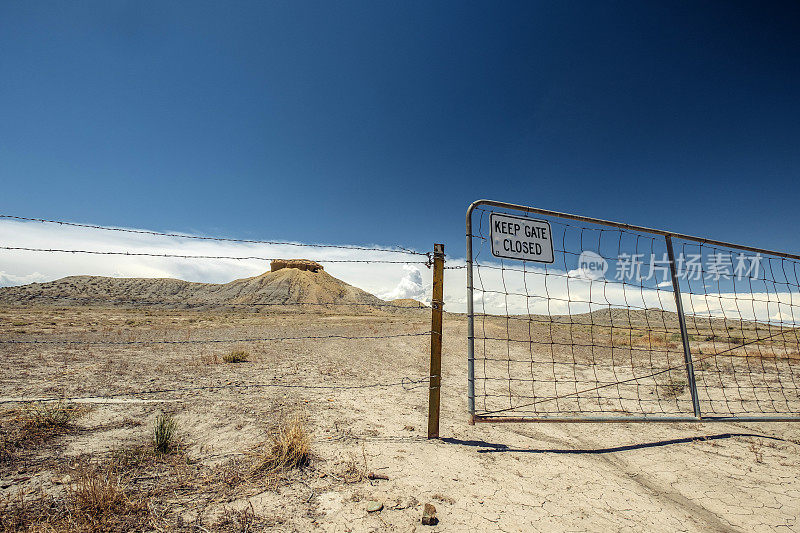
(437, 304)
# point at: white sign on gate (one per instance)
(521, 238)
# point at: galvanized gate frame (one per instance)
(697, 416)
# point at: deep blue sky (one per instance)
(378, 122)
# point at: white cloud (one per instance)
(10, 280)
(410, 286)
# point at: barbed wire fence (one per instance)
(123, 338)
(397, 249)
(618, 327)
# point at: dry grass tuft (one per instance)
(237, 520)
(236, 356)
(19, 512)
(289, 447)
(97, 500)
(34, 424)
(48, 415)
(164, 433)
(673, 388)
(353, 472)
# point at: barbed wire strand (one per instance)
(209, 341)
(182, 256)
(406, 382)
(399, 249)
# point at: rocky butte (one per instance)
(300, 264)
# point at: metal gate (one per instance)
(578, 319)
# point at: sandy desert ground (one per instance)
(514, 477)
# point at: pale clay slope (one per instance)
(288, 285)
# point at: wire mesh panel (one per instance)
(593, 329)
(742, 314)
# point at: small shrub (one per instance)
(164, 433)
(236, 356)
(289, 447)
